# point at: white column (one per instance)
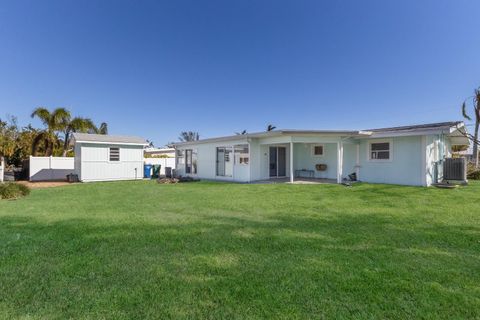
(291, 162)
(339, 161)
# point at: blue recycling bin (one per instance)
(147, 171)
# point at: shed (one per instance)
(107, 157)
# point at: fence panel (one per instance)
(163, 162)
(50, 168)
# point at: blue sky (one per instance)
(155, 68)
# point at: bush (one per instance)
(13, 190)
(474, 175)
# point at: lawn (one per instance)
(214, 250)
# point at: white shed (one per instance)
(107, 158)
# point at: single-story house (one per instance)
(159, 152)
(108, 157)
(408, 155)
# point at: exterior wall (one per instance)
(50, 168)
(207, 162)
(78, 159)
(438, 147)
(265, 161)
(304, 159)
(349, 159)
(405, 167)
(95, 164)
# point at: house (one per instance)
(159, 152)
(107, 157)
(409, 155)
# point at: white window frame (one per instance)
(237, 160)
(369, 150)
(119, 154)
(318, 155)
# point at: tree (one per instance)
(8, 137)
(186, 136)
(475, 101)
(102, 129)
(271, 127)
(54, 122)
(76, 124)
(241, 133)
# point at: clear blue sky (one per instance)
(155, 68)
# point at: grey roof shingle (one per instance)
(88, 137)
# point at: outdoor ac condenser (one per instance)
(455, 169)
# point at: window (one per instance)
(114, 154)
(180, 157)
(317, 150)
(379, 151)
(224, 162)
(241, 154)
(190, 161)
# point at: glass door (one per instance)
(278, 161)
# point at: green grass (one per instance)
(211, 250)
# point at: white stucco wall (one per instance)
(405, 166)
(207, 162)
(96, 166)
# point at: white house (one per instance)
(160, 152)
(409, 155)
(106, 157)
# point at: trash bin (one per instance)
(147, 171)
(168, 172)
(156, 171)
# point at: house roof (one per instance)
(451, 128)
(417, 127)
(274, 133)
(109, 139)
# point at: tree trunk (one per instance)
(65, 144)
(475, 145)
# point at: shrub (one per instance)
(474, 175)
(13, 190)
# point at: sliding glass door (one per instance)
(278, 161)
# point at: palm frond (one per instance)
(464, 111)
(43, 114)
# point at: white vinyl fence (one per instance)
(163, 162)
(2, 168)
(50, 168)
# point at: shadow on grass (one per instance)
(230, 267)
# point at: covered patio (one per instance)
(303, 159)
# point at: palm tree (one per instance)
(54, 122)
(76, 124)
(241, 133)
(186, 136)
(102, 129)
(476, 110)
(271, 127)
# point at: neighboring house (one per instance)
(105, 157)
(165, 157)
(409, 155)
(160, 152)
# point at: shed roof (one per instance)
(108, 139)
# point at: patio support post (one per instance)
(357, 164)
(339, 161)
(291, 162)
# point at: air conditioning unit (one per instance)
(455, 169)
